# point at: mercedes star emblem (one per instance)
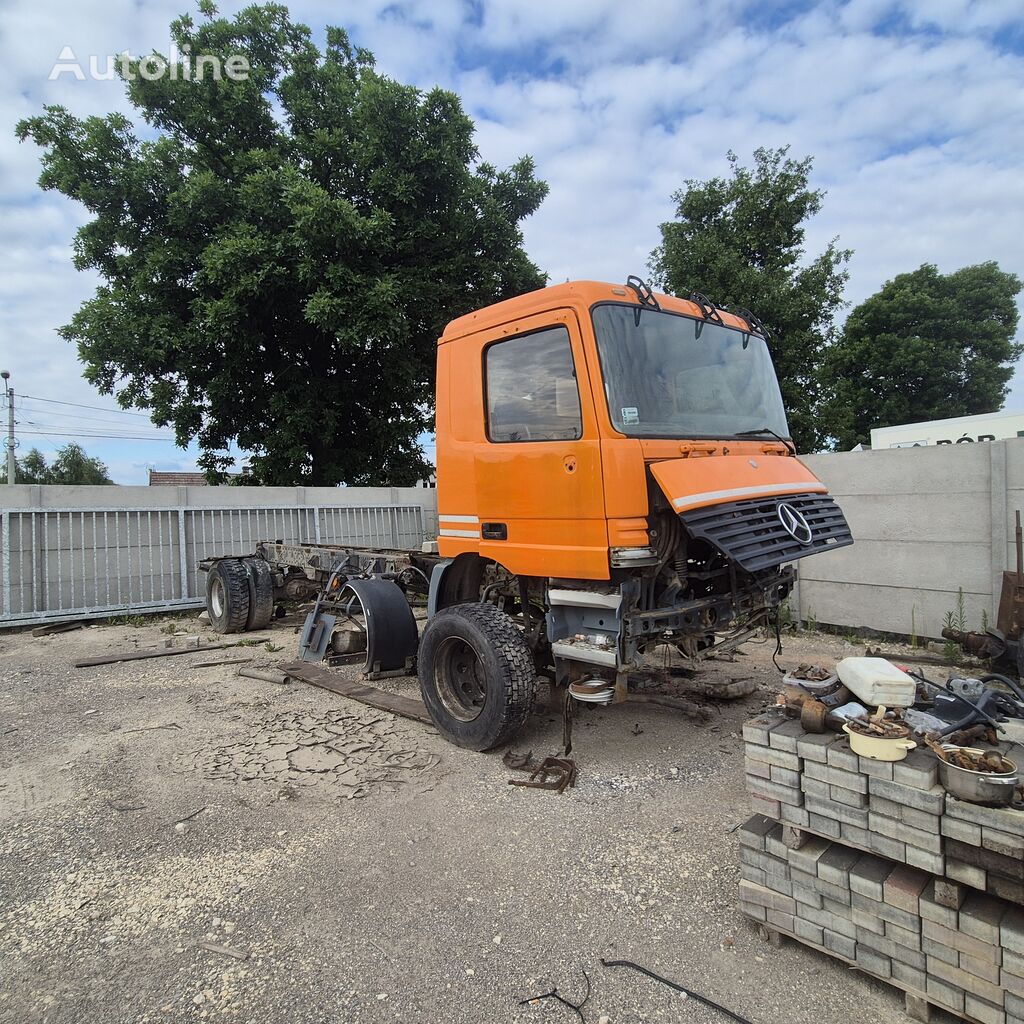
(794, 523)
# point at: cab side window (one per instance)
(532, 394)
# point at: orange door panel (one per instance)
(536, 457)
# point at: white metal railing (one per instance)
(68, 562)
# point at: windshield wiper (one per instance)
(790, 447)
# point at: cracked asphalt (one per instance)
(182, 843)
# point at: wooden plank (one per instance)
(406, 707)
(139, 655)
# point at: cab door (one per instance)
(538, 472)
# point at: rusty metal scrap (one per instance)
(555, 773)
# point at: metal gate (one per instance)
(66, 563)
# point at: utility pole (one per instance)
(9, 392)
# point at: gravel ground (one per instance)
(344, 866)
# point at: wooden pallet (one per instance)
(918, 1004)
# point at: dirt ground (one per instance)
(342, 865)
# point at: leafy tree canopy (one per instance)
(740, 240)
(926, 346)
(71, 466)
(280, 256)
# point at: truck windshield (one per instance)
(667, 375)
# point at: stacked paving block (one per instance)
(937, 940)
(984, 847)
(872, 862)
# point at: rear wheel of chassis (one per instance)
(261, 593)
(227, 595)
(476, 675)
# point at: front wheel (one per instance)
(476, 675)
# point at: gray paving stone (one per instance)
(969, 874)
(847, 796)
(886, 847)
(807, 931)
(773, 791)
(964, 831)
(931, 800)
(835, 863)
(919, 769)
(875, 769)
(909, 977)
(941, 951)
(960, 942)
(761, 805)
(785, 776)
(946, 995)
(754, 829)
(762, 896)
(828, 808)
(812, 747)
(933, 863)
(980, 916)
(982, 1010)
(931, 910)
(757, 730)
(792, 815)
(868, 875)
(760, 769)
(771, 756)
(841, 945)
(981, 968)
(824, 826)
(1011, 930)
(806, 858)
(903, 833)
(872, 962)
(784, 736)
(840, 756)
(1003, 819)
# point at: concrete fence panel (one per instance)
(79, 551)
(927, 522)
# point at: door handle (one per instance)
(494, 531)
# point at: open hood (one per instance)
(759, 512)
(694, 483)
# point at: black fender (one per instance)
(392, 637)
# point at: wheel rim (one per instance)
(459, 678)
(217, 597)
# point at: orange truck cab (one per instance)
(614, 470)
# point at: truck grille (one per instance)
(752, 533)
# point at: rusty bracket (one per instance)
(555, 773)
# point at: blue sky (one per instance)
(914, 111)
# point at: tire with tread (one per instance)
(261, 593)
(506, 670)
(227, 596)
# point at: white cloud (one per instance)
(912, 109)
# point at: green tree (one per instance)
(740, 240)
(32, 469)
(926, 346)
(71, 466)
(279, 259)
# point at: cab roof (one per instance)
(580, 295)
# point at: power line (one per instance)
(78, 405)
(59, 428)
(116, 437)
(76, 416)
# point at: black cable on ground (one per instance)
(577, 1008)
(778, 643)
(679, 988)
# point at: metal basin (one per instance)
(978, 787)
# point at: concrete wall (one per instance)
(925, 522)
